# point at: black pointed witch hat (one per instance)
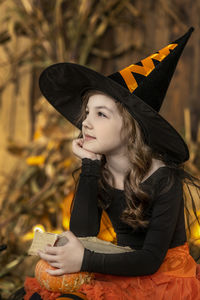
(140, 87)
(149, 78)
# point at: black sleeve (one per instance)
(160, 231)
(85, 217)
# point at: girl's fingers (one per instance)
(55, 272)
(79, 141)
(99, 156)
(51, 250)
(79, 150)
(55, 265)
(47, 257)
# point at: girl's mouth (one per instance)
(87, 138)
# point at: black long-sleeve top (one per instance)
(165, 212)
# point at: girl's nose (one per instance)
(87, 122)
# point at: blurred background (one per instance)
(36, 161)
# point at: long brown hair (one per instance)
(140, 156)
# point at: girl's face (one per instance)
(104, 123)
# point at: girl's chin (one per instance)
(91, 148)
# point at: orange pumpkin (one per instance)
(63, 283)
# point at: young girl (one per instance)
(133, 168)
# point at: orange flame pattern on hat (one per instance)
(146, 68)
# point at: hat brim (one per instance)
(64, 84)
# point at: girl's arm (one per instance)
(157, 241)
(85, 216)
(85, 221)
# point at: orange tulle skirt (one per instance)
(178, 278)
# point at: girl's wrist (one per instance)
(91, 167)
(92, 157)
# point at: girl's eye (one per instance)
(99, 113)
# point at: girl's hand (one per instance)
(78, 150)
(67, 258)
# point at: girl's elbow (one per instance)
(81, 231)
(154, 267)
